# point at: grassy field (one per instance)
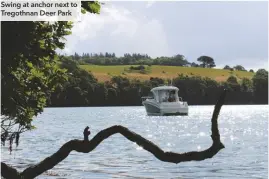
(104, 73)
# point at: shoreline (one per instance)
(142, 105)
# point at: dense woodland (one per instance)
(83, 89)
(144, 59)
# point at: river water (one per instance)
(243, 130)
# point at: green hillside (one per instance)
(104, 73)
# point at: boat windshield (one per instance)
(167, 95)
(151, 95)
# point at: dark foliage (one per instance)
(82, 89)
(129, 59)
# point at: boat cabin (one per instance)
(164, 94)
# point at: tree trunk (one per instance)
(86, 146)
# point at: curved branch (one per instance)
(86, 146)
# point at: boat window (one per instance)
(167, 95)
(172, 96)
(151, 95)
(163, 95)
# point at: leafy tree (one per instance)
(227, 67)
(206, 62)
(78, 90)
(239, 68)
(131, 59)
(252, 71)
(211, 90)
(260, 85)
(191, 89)
(30, 69)
(140, 67)
(111, 96)
(76, 57)
(232, 79)
(154, 81)
(194, 64)
(246, 85)
(232, 84)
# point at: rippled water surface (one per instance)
(243, 130)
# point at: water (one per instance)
(243, 131)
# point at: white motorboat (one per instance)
(164, 100)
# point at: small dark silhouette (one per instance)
(86, 133)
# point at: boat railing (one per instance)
(162, 85)
(146, 97)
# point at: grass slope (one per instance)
(104, 73)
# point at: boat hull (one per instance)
(169, 109)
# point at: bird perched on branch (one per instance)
(86, 133)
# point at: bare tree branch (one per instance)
(86, 146)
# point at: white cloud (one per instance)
(149, 37)
(149, 4)
(118, 30)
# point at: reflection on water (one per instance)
(243, 131)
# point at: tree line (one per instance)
(83, 89)
(144, 59)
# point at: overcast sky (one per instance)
(230, 32)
